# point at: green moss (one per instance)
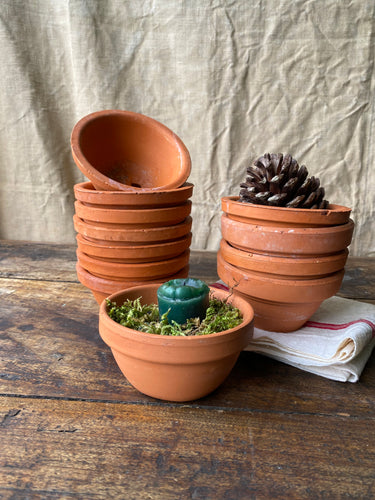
(220, 316)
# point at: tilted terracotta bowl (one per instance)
(143, 235)
(290, 217)
(146, 217)
(124, 252)
(133, 271)
(102, 287)
(121, 150)
(272, 240)
(305, 267)
(276, 293)
(174, 368)
(87, 194)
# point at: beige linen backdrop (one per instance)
(234, 79)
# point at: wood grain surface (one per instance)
(71, 426)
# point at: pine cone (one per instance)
(278, 180)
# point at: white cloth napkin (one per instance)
(336, 343)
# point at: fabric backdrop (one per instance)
(234, 79)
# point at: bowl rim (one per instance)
(286, 259)
(87, 187)
(347, 226)
(141, 246)
(169, 340)
(332, 207)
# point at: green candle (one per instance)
(184, 298)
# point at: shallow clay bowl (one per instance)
(282, 240)
(289, 217)
(102, 287)
(88, 195)
(133, 271)
(117, 252)
(267, 292)
(169, 367)
(143, 235)
(304, 267)
(120, 150)
(146, 217)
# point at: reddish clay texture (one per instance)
(133, 271)
(122, 252)
(305, 267)
(169, 367)
(272, 240)
(102, 288)
(267, 288)
(288, 217)
(149, 217)
(121, 150)
(143, 235)
(87, 194)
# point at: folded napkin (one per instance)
(336, 343)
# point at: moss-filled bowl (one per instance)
(175, 368)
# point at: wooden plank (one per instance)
(64, 449)
(51, 348)
(55, 262)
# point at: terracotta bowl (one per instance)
(102, 288)
(288, 217)
(87, 194)
(147, 217)
(276, 293)
(272, 240)
(122, 252)
(143, 235)
(120, 150)
(303, 267)
(174, 368)
(133, 271)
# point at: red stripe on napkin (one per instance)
(330, 326)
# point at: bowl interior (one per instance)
(131, 149)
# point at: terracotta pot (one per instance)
(287, 217)
(149, 217)
(174, 368)
(305, 267)
(87, 194)
(133, 271)
(121, 150)
(271, 291)
(149, 235)
(272, 240)
(102, 288)
(122, 252)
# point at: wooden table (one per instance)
(72, 427)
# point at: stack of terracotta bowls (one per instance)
(133, 219)
(284, 261)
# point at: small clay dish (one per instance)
(137, 217)
(294, 266)
(275, 240)
(133, 271)
(268, 293)
(282, 216)
(128, 253)
(121, 150)
(174, 368)
(136, 235)
(88, 195)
